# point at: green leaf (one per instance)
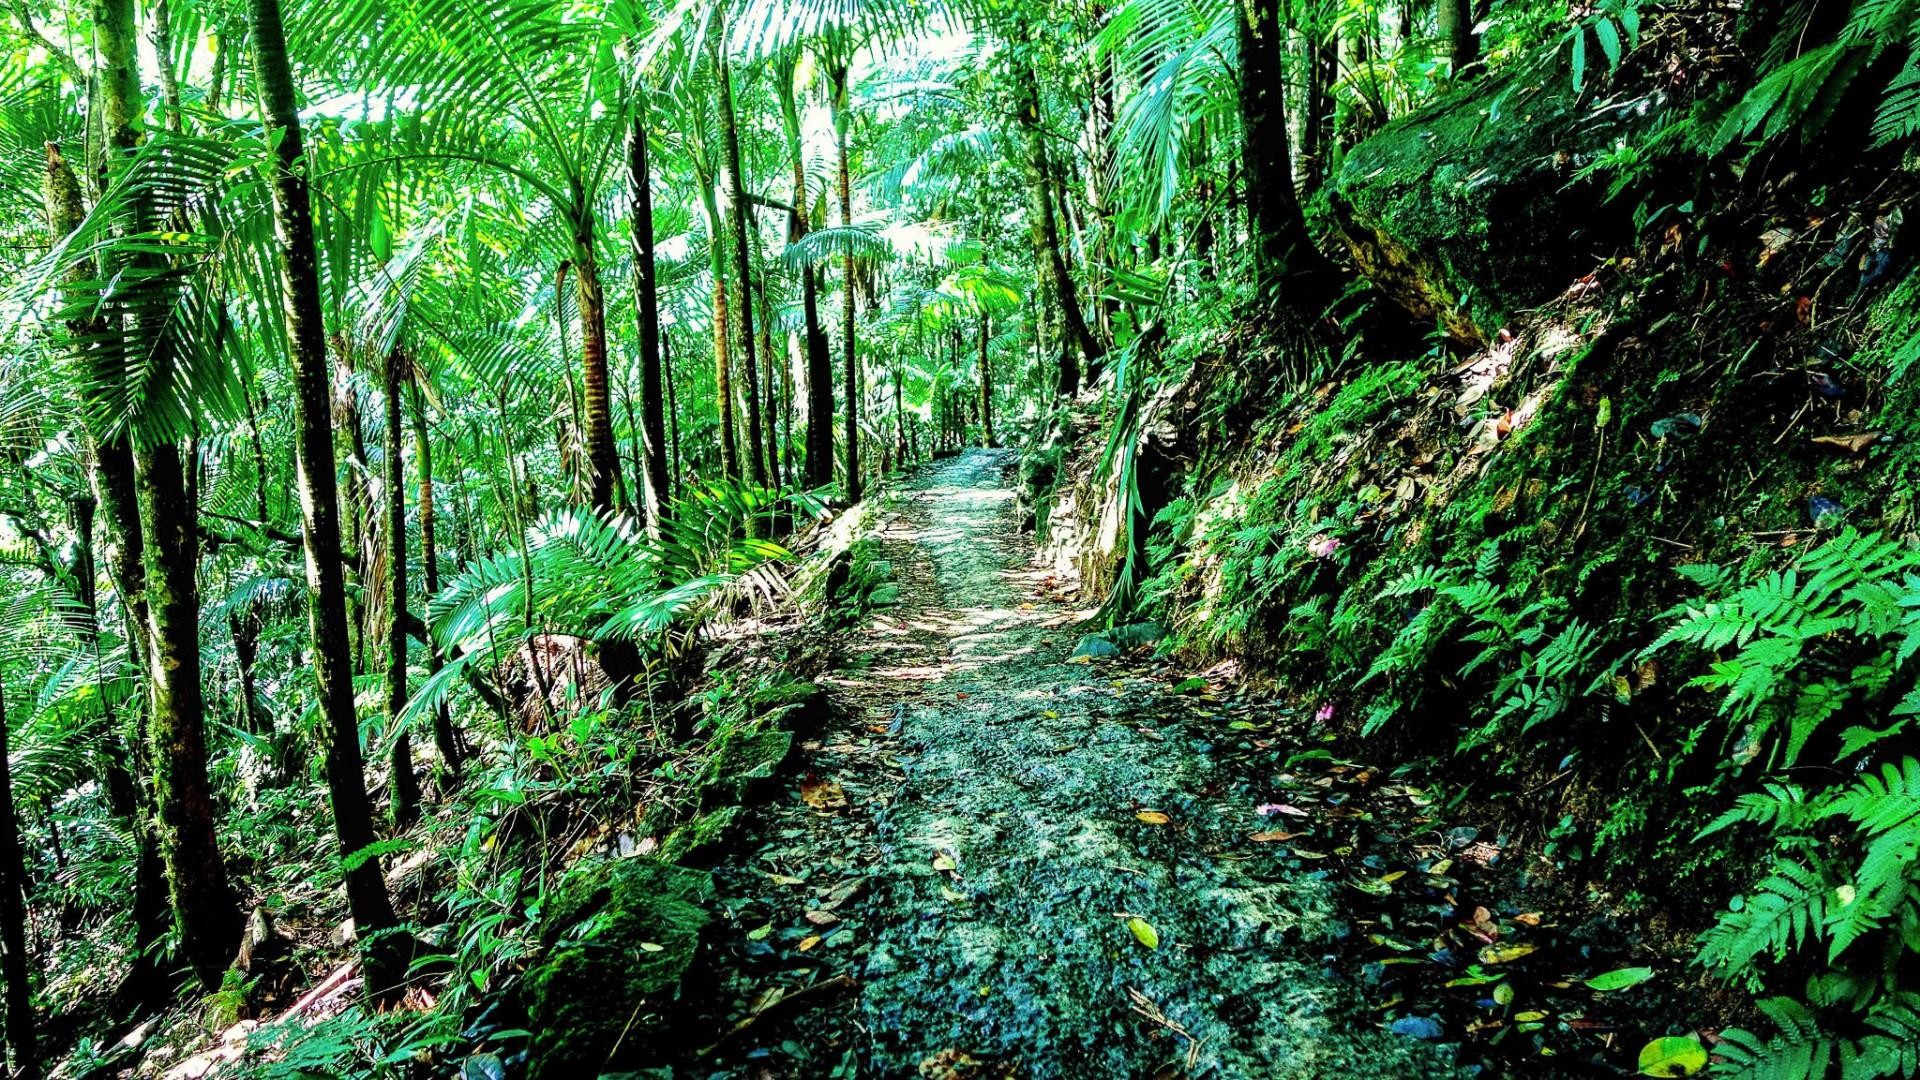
(379, 237)
(1620, 979)
(1609, 36)
(1579, 59)
(1143, 931)
(1673, 1055)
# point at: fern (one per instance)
(1786, 910)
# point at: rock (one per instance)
(1417, 1027)
(800, 707)
(886, 595)
(1448, 208)
(743, 757)
(1096, 645)
(618, 936)
(704, 831)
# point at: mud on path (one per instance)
(996, 862)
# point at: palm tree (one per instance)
(386, 952)
(656, 489)
(203, 900)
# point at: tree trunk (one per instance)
(404, 787)
(1046, 239)
(722, 365)
(742, 215)
(842, 120)
(13, 921)
(1283, 253)
(603, 453)
(445, 739)
(386, 953)
(986, 386)
(204, 906)
(673, 410)
(656, 490)
(203, 903)
(819, 364)
(112, 481)
(1457, 38)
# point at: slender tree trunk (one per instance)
(837, 75)
(13, 921)
(986, 386)
(742, 263)
(722, 364)
(673, 409)
(656, 484)
(603, 453)
(1046, 239)
(386, 952)
(203, 901)
(1283, 252)
(819, 362)
(112, 480)
(404, 786)
(445, 739)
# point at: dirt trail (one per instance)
(977, 885)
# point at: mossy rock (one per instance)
(809, 695)
(742, 758)
(702, 832)
(619, 935)
(1466, 211)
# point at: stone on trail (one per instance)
(618, 936)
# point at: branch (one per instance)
(60, 56)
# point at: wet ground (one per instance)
(998, 861)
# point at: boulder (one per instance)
(618, 935)
(1469, 209)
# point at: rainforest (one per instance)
(959, 539)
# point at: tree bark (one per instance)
(445, 739)
(1045, 228)
(742, 215)
(656, 490)
(203, 903)
(722, 364)
(1462, 45)
(986, 385)
(403, 786)
(837, 75)
(1283, 252)
(603, 453)
(386, 953)
(13, 921)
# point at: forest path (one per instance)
(1005, 814)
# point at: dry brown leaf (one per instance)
(1153, 817)
(1852, 444)
(1271, 837)
(822, 794)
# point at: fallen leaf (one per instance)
(1673, 1055)
(648, 946)
(808, 942)
(943, 862)
(1620, 979)
(1271, 837)
(760, 933)
(1501, 954)
(822, 794)
(1143, 931)
(1852, 444)
(1153, 817)
(819, 917)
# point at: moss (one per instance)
(619, 936)
(742, 758)
(1428, 204)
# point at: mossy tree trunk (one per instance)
(204, 909)
(596, 420)
(386, 952)
(13, 921)
(445, 738)
(986, 384)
